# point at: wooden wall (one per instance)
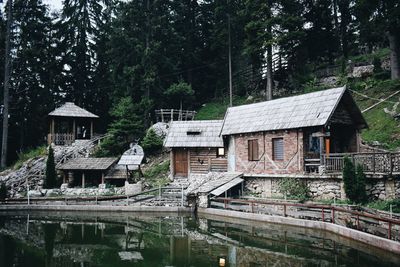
(204, 160)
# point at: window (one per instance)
(253, 150)
(277, 148)
(220, 152)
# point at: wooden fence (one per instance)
(370, 223)
(176, 193)
(379, 162)
(167, 115)
(61, 139)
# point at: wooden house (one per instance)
(196, 147)
(292, 135)
(86, 172)
(69, 123)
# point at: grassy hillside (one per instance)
(383, 128)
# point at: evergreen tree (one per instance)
(3, 192)
(360, 181)
(51, 174)
(349, 179)
(378, 18)
(181, 91)
(151, 143)
(126, 128)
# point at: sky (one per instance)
(54, 4)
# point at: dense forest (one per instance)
(123, 59)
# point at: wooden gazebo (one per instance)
(69, 123)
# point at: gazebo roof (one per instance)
(99, 164)
(69, 109)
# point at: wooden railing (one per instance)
(379, 162)
(370, 223)
(176, 193)
(61, 139)
(167, 115)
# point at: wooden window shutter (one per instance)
(278, 149)
(253, 150)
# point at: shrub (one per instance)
(349, 175)
(151, 143)
(3, 191)
(294, 188)
(360, 193)
(51, 175)
(354, 181)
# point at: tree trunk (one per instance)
(394, 44)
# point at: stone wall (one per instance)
(293, 153)
(324, 187)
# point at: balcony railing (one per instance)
(379, 162)
(61, 139)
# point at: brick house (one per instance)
(196, 147)
(292, 135)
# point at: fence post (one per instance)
(159, 192)
(333, 214)
(252, 207)
(391, 163)
(358, 222)
(182, 196)
(323, 215)
(390, 231)
(373, 162)
(284, 210)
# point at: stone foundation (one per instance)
(324, 188)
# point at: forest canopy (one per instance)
(98, 53)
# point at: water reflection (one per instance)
(71, 239)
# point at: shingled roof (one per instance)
(307, 110)
(194, 134)
(69, 109)
(96, 164)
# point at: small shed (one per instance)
(86, 171)
(196, 147)
(69, 123)
(128, 164)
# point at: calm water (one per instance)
(75, 239)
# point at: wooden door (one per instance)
(181, 162)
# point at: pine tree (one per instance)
(151, 143)
(3, 191)
(126, 128)
(360, 181)
(51, 175)
(349, 179)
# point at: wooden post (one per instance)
(91, 129)
(63, 174)
(73, 130)
(52, 126)
(83, 180)
(102, 178)
(327, 146)
(321, 147)
(172, 114)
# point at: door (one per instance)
(181, 162)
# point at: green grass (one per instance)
(385, 205)
(29, 154)
(215, 110)
(157, 175)
(381, 53)
(382, 126)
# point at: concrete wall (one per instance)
(324, 187)
(293, 153)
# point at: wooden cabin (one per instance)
(196, 147)
(86, 172)
(292, 135)
(69, 123)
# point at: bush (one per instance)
(151, 143)
(354, 182)
(360, 193)
(51, 175)
(3, 191)
(294, 188)
(349, 175)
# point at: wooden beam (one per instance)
(91, 129)
(74, 129)
(102, 178)
(83, 180)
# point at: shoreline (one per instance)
(366, 238)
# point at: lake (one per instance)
(133, 239)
